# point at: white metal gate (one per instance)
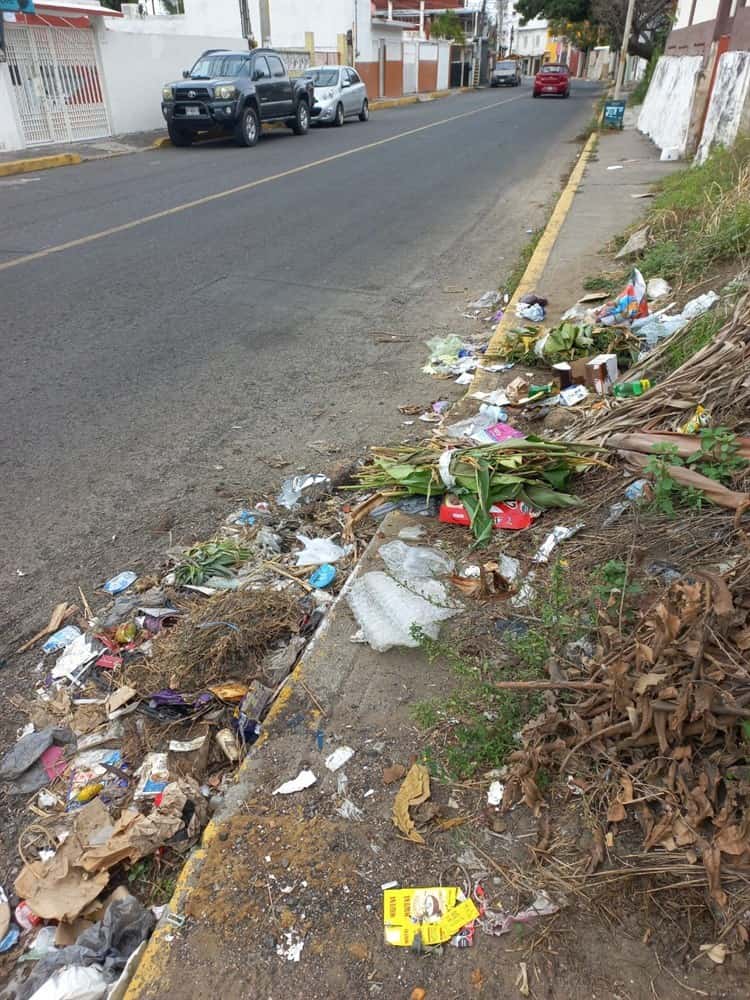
(57, 84)
(410, 67)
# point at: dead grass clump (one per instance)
(221, 638)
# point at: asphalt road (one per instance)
(175, 323)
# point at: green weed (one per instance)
(479, 725)
(718, 458)
(701, 217)
(695, 336)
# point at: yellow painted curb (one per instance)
(34, 163)
(148, 971)
(541, 255)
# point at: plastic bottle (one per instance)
(624, 390)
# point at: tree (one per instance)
(652, 20)
(447, 25)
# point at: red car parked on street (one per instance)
(554, 78)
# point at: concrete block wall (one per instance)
(667, 113)
(728, 112)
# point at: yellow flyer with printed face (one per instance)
(436, 914)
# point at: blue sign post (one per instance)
(614, 114)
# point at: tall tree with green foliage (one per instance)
(652, 20)
(447, 25)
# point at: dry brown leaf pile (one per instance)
(673, 727)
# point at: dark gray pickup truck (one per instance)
(236, 92)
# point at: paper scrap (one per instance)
(338, 758)
(303, 780)
(436, 914)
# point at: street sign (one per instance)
(614, 114)
(17, 6)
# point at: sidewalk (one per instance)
(624, 164)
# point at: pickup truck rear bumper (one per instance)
(200, 116)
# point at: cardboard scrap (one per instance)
(60, 889)
(65, 886)
(119, 698)
(413, 792)
(393, 774)
(436, 914)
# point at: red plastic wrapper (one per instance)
(511, 516)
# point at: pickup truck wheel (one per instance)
(247, 130)
(364, 114)
(338, 121)
(179, 137)
(302, 119)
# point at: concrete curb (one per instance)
(34, 163)
(147, 973)
(543, 250)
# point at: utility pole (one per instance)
(623, 60)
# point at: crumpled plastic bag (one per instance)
(534, 313)
(108, 945)
(388, 605)
(305, 488)
(409, 561)
(630, 305)
(318, 551)
(23, 765)
(74, 983)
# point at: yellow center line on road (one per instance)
(216, 195)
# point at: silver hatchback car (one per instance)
(339, 94)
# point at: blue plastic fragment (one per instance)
(60, 639)
(319, 739)
(323, 576)
(245, 517)
(121, 582)
(10, 939)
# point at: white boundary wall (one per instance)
(667, 111)
(137, 58)
(729, 109)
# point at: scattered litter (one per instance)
(9, 939)
(303, 488)
(61, 639)
(636, 244)
(423, 918)
(319, 551)
(657, 288)
(323, 576)
(154, 776)
(76, 657)
(413, 792)
(290, 946)
(305, 779)
(348, 810)
(532, 313)
(630, 305)
(495, 793)
(389, 885)
(498, 922)
(338, 758)
(553, 539)
(116, 584)
(387, 606)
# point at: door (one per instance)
(353, 91)
(282, 87)
(261, 74)
(349, 93)
(56, 84)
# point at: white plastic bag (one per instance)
(76, 982)
(409, 561)
(317, 551)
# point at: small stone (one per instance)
(223, 835)
(284, 862)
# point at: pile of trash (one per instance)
(596, 341)
(145, 706)
(658, 736)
